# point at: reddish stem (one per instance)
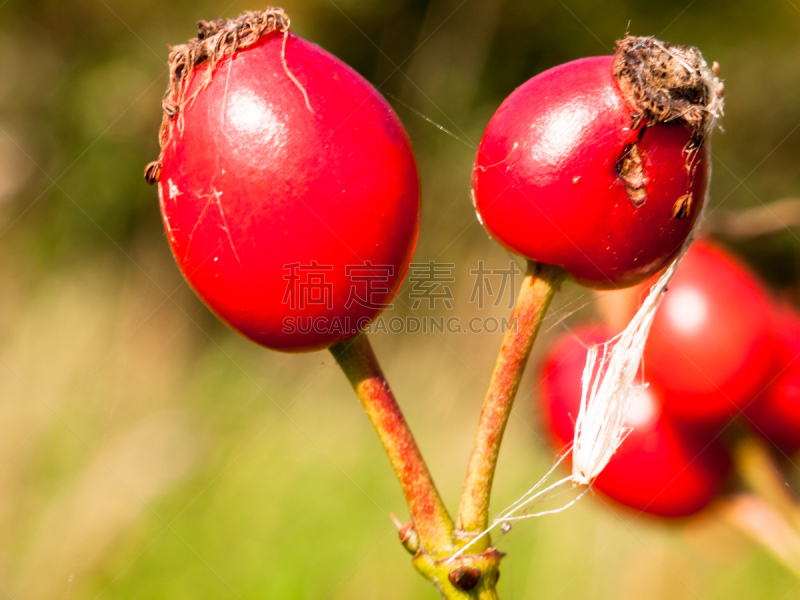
(428, 513)
(766, 526)
(540, 284)
(767, 511)
(759, 471)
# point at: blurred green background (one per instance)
(148, 452)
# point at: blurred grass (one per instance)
(146, 451)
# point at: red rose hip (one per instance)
(287, 184)
(662, 467)
(710, 346)
(775, 412)
(599, 165)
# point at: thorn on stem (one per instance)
(407, 534)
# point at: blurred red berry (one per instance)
(279, 213)
(662, 468)
(775, 412)
(710, 347)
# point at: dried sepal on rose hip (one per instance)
(288, 187)
(600, 165)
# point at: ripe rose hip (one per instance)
(775, 412)
(662, 468)
(288, 187)
(599, 165)
(710, 346)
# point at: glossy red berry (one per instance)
(294, 220)
(574, 171)
(710, 346)
(775, 412)
(661, 468)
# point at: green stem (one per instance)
(429, 537)
(432, 523)
(540, 284)
(452, 579)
